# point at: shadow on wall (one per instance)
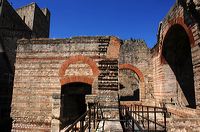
(6, 85)
(177, 53)
(134, 97)
(73, 103)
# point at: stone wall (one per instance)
(136, 53)
(163, 76)
(182, 119)
(38, 20)
(28, 18)
(43, 66)
(12, 28)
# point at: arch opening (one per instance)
(177, 64)
(73, 103)
(134, 95)
(131, 83)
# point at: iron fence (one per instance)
(143, 118)
(88, 121)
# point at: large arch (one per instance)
(84, 79)
(139, 74)
(179, 21)
(176, 60)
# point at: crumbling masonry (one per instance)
(55, 78)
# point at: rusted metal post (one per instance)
(135, 112)
(138, 117)
(148, 118)
(155, 117)
(126, 116)
(82, 125)
(94, 120)
(89, 127)
(75, 127)
(142, 115)
(165, 124)
(133, 124)
(131, 110)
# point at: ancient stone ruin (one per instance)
(48, 83)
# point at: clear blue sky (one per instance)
(122, 18)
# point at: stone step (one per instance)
(110, 126)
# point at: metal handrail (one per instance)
(81, 118)
(93, 117)
(138, 114)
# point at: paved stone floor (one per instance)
(110, 126)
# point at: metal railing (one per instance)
(143, 118)
(133, 118)
(81, 124)
(88, 121)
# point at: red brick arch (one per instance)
(82, 79)
(140, 75)
(179, 21)
(170, 24)
(85, 79)
(134, 69)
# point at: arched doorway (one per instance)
(131, 83)
(73, 103)
(178, 68)
(77, 75)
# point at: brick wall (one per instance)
(136, 53)
(164, 80)
(43, 66)
(11, 29)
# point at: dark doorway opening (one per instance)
(177, 53)
(73, 103)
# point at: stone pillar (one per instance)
(55, 122)
(109, 99)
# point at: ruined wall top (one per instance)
(37, 19)
(10, 21)
(76, 39)
(133, 45)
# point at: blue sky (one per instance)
(122, 18)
